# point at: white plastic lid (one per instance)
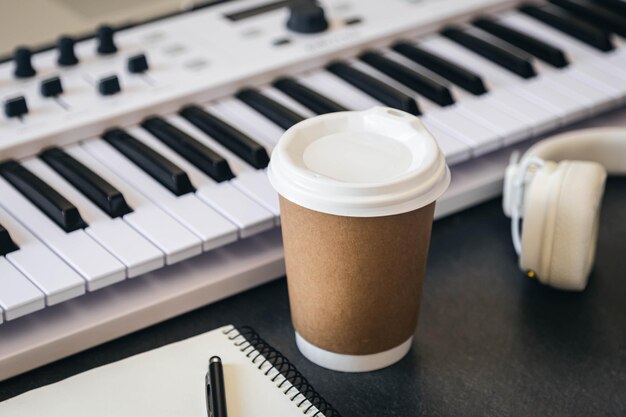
(377, 162)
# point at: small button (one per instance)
(252, 33)
(15, 107)
(154, 37)
(109, 86)
(138, 64)
(51, 87)
(174, 50)
(281, 42)
(353, 21)
(196, 64)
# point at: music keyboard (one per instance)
(139, 192)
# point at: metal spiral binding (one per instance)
(299, 391)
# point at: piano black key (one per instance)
(595, 15)
(382, 92)
(534, 46)
(161, 169)
(274, 111)
(307, 97)
(99, 191)
(50, 202)
(571, 25)
(618, 6)
(507, 59)
(421, 84)
(452, 72)
(205, 159)
(6, 243)
(238, 142)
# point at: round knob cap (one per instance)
(106, 43)
(306, 17)
(67, 56)
(23, 65)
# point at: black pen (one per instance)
(215, 388)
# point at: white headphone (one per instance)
(557, 189)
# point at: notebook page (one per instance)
(166, 382)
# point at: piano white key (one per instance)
(597, 97)
(137, 254)
(580, 55)
(97, 266)
(250, 217)
(454, 150)
(613, 86)
(537, 118)
(575, 50)
(581, 89)
(54, 277)
(40, 265)
(567, 105)
(213, 229)
(475, 108)
(176, 241)
(125, 243)
(618, 58)
(510, 128)
(338, 90)
(247, 120)
(513, 117)
(480, 139)
(256, 184)
(167, 234)
(18, 296)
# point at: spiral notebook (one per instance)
(169, 382)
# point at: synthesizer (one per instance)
(132, 159)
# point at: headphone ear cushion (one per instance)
(560, 228)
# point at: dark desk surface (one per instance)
(489, 342)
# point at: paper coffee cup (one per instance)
(357, 197)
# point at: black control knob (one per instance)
(15, 107)
(306, 16)
(106, 41)
(51, 87)
(67, 56)
(109, 86)
(23, 63)
(137, 64)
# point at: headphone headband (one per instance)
(606, 146)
